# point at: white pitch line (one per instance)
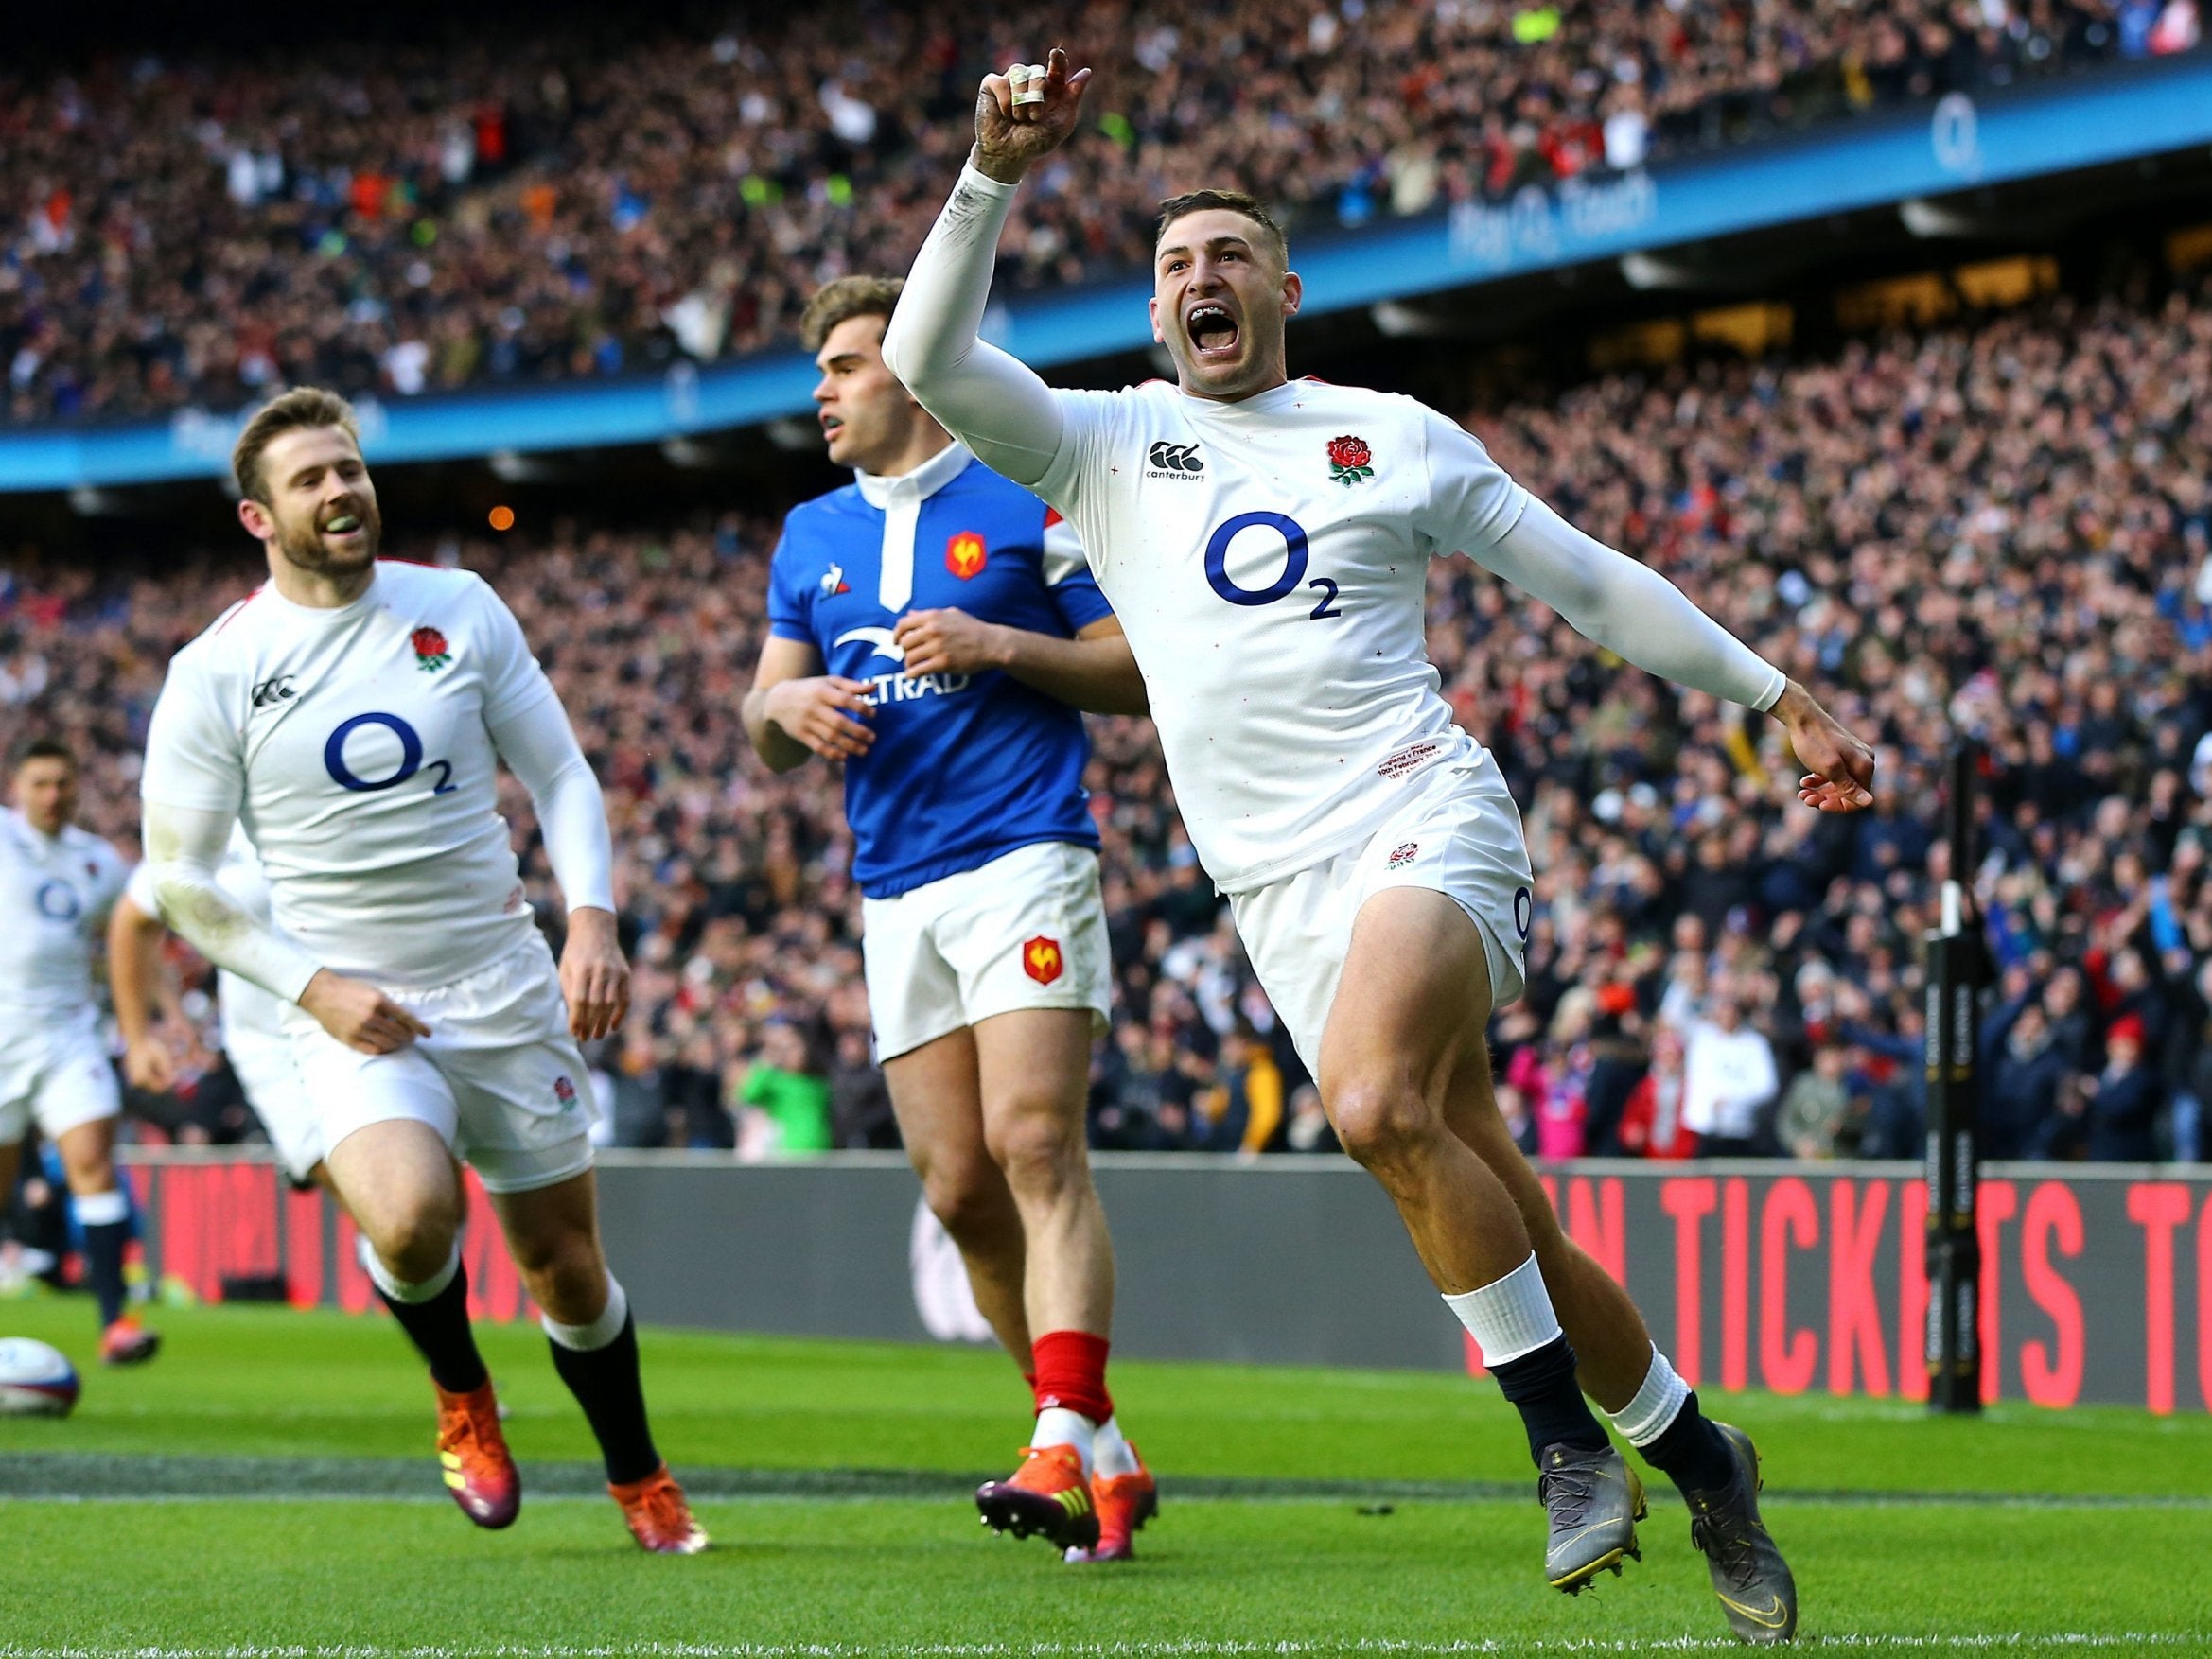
(1998, 1642)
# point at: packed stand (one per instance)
(2005, 530)
(600, 198)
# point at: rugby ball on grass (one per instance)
(35, 1380)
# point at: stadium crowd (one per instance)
(2004, 528)
(608, 195)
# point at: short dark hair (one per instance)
(845, 299)
(41, 748)
(1252, 207)
(300, 406)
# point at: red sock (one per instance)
(1071, 1373)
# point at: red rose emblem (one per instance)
(429, 650)
(1349, 451)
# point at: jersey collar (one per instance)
(920, 484)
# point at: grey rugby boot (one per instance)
(1594, 1500)
(1748, 1574)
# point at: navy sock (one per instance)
(1542, 1387)
(104, 1266)
(439, 1330)
(1690, 1451)
(606, 1383)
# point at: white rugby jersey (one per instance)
(244, 1006)
(56, 892)
(1268, 560)
(354, 746)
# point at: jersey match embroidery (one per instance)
(429, 650)
(1042, 960)
(964, 555)
(1349, 461)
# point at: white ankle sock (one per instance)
(1509, 1317)
(1657, 1403)
(1059, 1427)
(1112, 1455)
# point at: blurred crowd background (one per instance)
(606, 193)
(2000, 526)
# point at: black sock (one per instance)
(1690, 1451)
(1542, 1386)
(103, 1265)
(606, 1383)
(439, 1330)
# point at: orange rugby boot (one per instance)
(1047, 1497)
(658, 1514)
(127, 1342)
(1125, 1503)
(479, 1471)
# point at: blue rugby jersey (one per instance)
(964, 767)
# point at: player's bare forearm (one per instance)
(134, 969)
(1097, 674)
(778, 749)
(1841, 774)
(1093, 671)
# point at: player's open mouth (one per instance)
(831, 424)
(1213, 332)
(342, 526)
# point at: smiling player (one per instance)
(961, 634)
(351, 714)
(1266, 541)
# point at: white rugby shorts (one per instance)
(269, 1074)
(58, 1074)
(498, 1077)
(1026, 931)
(1458, 834)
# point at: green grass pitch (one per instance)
(266, 1487)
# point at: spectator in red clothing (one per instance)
(1651, 1124)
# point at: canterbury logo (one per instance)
(1180, 458)
(275, 690)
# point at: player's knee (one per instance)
(565, 1276)
(1040, 1151)
(969, 1197)
(414, 1244)
(1380, 1121)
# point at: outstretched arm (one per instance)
(986, 398)
(1638, 615)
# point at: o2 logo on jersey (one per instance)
(410, 760)
(1525, 912)
(58, 901)
(1294, 561)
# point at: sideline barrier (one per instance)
(1955, 144)
(2095, 1282)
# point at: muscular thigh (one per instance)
(392, 1172)
(1036, 1062)
(1414, 998)
(936, 1095)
